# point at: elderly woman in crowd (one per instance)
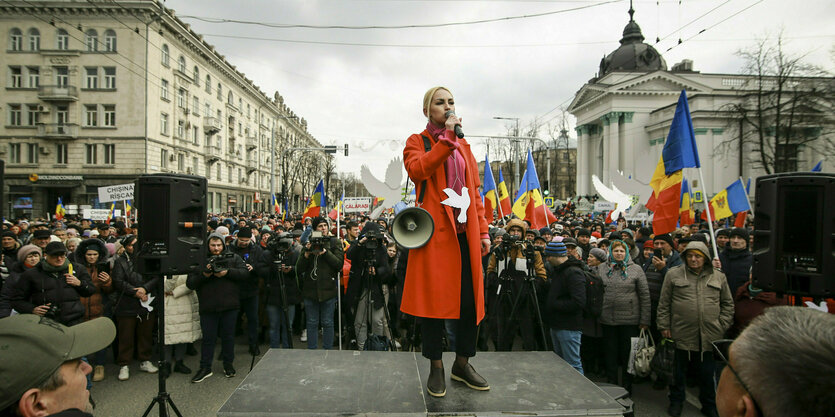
(182, 323)
(28, 257)
(626, 307)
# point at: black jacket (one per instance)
(250, 254)
(6, 292)
(359, 255)
(38, 287)
(567, 296)
(736, 265)
(317, 273)
(267, 269)
(218, 294)
(125, 282)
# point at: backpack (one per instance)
(594, 294)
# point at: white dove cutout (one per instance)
(389, 190)
(458, 201)
(613, 195)
(822, 307)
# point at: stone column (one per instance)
(611, 148)
(628, 143)
(582, 158)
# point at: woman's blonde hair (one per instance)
(427, 98)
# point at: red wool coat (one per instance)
(433, 274)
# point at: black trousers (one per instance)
(432, 330)
(617, 342)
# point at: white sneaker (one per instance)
(148, 367)
(304, 335)
(124, 373)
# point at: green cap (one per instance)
(34, 347)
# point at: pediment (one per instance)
(586, 95)
(659, 82)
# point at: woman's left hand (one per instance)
(485, 246)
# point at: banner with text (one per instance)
(99, 214)
(119, 192)
(356, 204)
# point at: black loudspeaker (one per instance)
(171, 211)
(794, 231)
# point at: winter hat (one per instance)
(111, 248)
(665, 238)
(597, 234)
(86, 233)
(555, 249)
(583, 232)
(24, 251)
(740, 232)
(213, 224)
(545, 231)
(41, 234)
(628, 232)
(54, 248)
(599, 254)
(557, 239)
(8, 233)
(245, 233)
(570, 241)
(222, 230)
(723, 232)
(648, 244)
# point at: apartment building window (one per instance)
(91, 78)
(196, 76)
(61, 154)
(91, 40)
(91, 115)
(195, 135)
(181, 162)
(34, 76)
(110, 154)
(32, 156)
(181, 64)
(110, 78)
(207, 110)
(219, 92)
(109, 115)
(62, 40)
(62, 76)
(230, 174)
(15, 77)
(182, 99)
(195, 164)
(90, 152)
(163, 158)
(208, 83)
(195, 105)
(208, 171)
(15, 40)
(14, 153)
(163, 124)
(218, 172)
(62, 114)
(181, 129)
(164, 90)
(110, 40)
(34, 40)
(165, 55)
(230, 98)
(14, 115)
(32, 114)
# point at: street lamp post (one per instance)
(515, 147)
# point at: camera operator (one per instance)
(514, 255)
(53, 288)
(282, 288)
(320, 261)
(369, 271)
(246, 248)
(217, 292)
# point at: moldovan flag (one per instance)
(317, 201)
(491, 196)
(128, 208)
(728, 202)
(59, 210)
(112, 212)
(687, 216)
(338, 209)
(529, 204)
(504, 196)
(284, 212)
(679, 152)
(743, 215)
(276, 207)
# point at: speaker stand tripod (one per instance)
(163, 399)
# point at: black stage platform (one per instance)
(339, 383)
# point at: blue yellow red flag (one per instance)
(504, 196)
(489, 191)
(686, 213)
(59, 210)
(317, 201)
(529, 204)
(729, 201)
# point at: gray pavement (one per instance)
(132, 397)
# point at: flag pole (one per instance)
(127, 219)
(707, 212)
(339, 274)
(747, 198)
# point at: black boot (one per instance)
(436, 383)
(180, 367)
(191, 350)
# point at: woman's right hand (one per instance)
(41, 310)
(451, 121)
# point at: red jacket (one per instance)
(433, 273)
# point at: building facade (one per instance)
(98, 93)
(624, 113)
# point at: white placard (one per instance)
(99, 214)
(119, 192)
(356, 204)
(604, 206)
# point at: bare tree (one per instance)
(783, 106)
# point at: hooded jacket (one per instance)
(94, 304)
(358, 256)
(697, 308)
(736, 265)
(567, 296)
(217, 294)
(126, 281)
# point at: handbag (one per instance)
(662, 362)
(644, 354)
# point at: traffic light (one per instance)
(346, 149)
(547, 192)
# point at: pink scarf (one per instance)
(454, 165)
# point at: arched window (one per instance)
(230, 98)
(208, 83)
(62, 40)
(110, 40)
(91, 40)
(34, 40)
(165, 55)
(219, 91)
(181, 64)
(15, 40)
(195, 75)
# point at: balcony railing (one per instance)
(213, 152)
(252, 162)
(58, 93)
(251, 142)
(211, 124)
(57, 131)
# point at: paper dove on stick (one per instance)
(458, 201)
(389, 190)
(614, 195)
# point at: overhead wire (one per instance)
(714, 25)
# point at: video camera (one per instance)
(373, 240)
(222, 262)
(280, 243)
(318, 241)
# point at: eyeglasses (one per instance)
(720, 355)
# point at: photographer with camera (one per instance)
(318, 266)
(246, 248)
(512, 266)
(53, 288)
(277, 265)
(217, 293)
(369, 271)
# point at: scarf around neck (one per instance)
(55, 269)
(454, 165)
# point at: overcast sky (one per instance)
(370, 96)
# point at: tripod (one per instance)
(162, 397)
(526, 295)
(368, 283)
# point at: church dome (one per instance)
(633, 54)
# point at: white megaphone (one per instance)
(412, 226)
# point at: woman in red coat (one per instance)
(444, 277)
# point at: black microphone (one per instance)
(458, 131)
